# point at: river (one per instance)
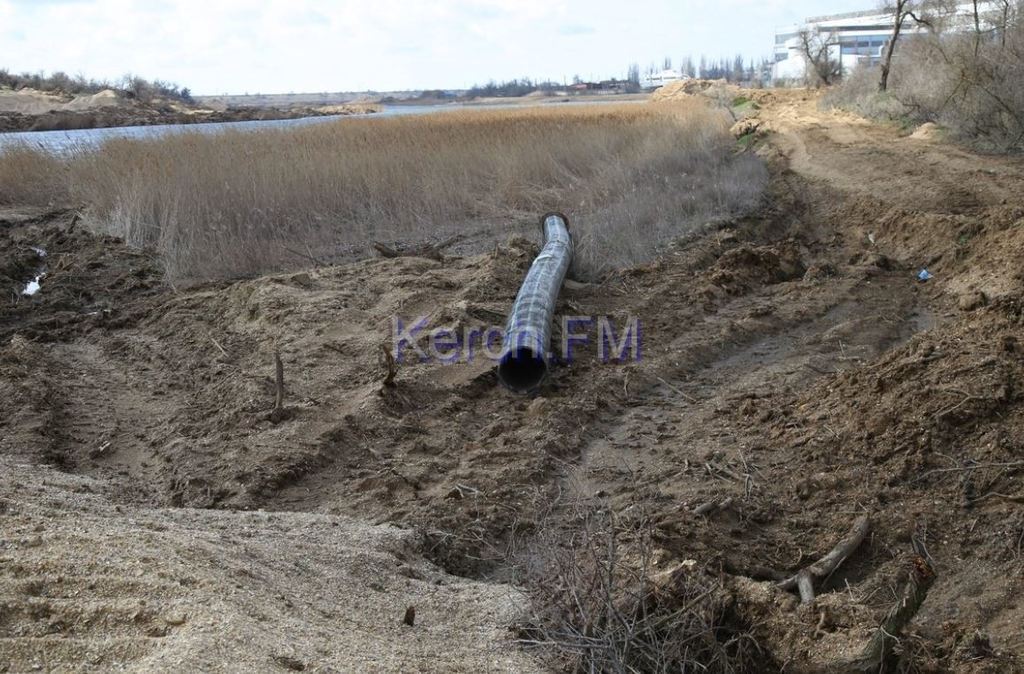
(65, 142)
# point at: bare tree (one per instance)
(1005, 8)
(688, 68)
(816, 46)
(977, 28)
(901, 10)
(633, 77)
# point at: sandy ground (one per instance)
(792, 361)
(87, 585)
(31, 110)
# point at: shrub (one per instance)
(970, 82)
(859, 93)
(60, 82)
(600, 604)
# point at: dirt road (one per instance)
(792, 362)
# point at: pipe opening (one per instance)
(522, 369)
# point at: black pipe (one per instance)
(525, 358)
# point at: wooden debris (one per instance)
(805, 579)
(278, 414)
(712, 506)
(678, 391)
(878, 649)
(431, 251)
(308, 255)
(387, 363)
(219, 347)
(335, 348)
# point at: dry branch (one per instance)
(219, 347)
(308, 255)
(805, 579)
(387, 362)
(711, 506)
(431, 251)
(278, 414)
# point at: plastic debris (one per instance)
(924, 275)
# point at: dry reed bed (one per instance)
(233, 204)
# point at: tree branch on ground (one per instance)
(804, 579)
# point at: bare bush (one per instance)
(132, 86)
(601, 605)
(823, 68)
(225, 205)
(860, 93)
(973, 86)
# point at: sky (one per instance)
(281, 46)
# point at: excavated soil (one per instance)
(30, 110)
(155, 513)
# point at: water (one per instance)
(33, 286)
(64, 142)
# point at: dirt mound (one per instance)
(87, 586)
(101, 99)
(684, 89)
(29, 110)
(32, 102)
(29, 101)
(927, 131)
(745, 266)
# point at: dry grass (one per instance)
(31, 177)
(234, 204)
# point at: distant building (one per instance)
(660, 79)
(854, 38)
(613, 86)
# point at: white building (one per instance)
(660, 79)
(853, 38)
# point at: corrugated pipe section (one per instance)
(525, 357)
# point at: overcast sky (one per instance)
(272, 46)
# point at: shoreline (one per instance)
(112, 117)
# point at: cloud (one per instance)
(36, 3)
(216, 46)
(575, 29)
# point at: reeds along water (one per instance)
(226, 205)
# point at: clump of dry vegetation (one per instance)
(29, 176)
(240, 203)
(602, 604)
